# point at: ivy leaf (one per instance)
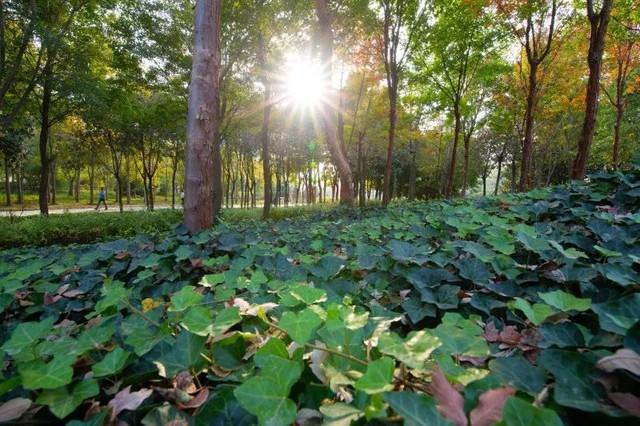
(223, 409)
(618, 315)
(519, 373)
(300, 326)
(113, 294)
(181, 355)
(517, 412)
(198, 320)
(536, 313)
(461, 336)
(570, 253)
(112, 363)
(416, 410)
(225, 319)
(26, 335)
(606, 252)
(565, 301)
(413, 351)
(378, 377)
(184, 299)
(474, 270)
(40, 375)
(308, 295)
(62, 403)
(340, 414)
(327, 267)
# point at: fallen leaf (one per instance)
(127, 400)
(200, 398)
(14, 409)
(450, 402)
(627, 401)
(623, 359)
(489, 408)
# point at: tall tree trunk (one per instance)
(465, 172)
(393, 101)
(329, 118)
(128, 177)
(92, 177)
(264, 132)
(456, 137)
(77, 182)
(19, 180)
(527, 143)
(7, 182)
(47, 88)
(202, 162)
(598, 23)
(412, 171)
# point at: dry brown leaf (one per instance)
(489, 408)
(127, 400)
(627, 401)
(14, 409)
(623, 359)
(200, 398)
(450, 402)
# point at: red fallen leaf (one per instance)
(510, 336)
(200, 398)
(450, 402)
(627, 401)
(122, 255)
(623, 359)
(14, 409)
(127, 400)
(473, 360)
(62, 289)
(50, 300)
(196, 263)
(184, 381)
(531, 355)
(491, 333)
(489, 408)
(73, 293)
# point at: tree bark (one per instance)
(264, 132)
(598, 23)
(45, 109)
(7, 182)
(527, 143)
(393, 117)
(412, 171)
(456, 137)
(202, 160)
(329, 117)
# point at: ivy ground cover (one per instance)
(516, 310)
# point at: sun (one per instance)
(303, 82)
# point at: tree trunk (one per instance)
(452, 164)
(264, 133)
(329, 118)
(7, 182)
(598, 23)
(128, 178)
(393, 101)
(47, 88)
(412, 171)
(527, 143)
(92, 177)
(465, 172)
(202, 162)
(77, 182)
(19, 180)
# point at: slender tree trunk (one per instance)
(465, 172)
(92, 177)
(527, 143)
(393, 101)
(19, 180)
(202, 165)
(412, 171)
(452, 164)
(7, 182)
(128, 178)
(77, 182)
(598, 23)
(47, 88)
(329, 118)
(264, 134)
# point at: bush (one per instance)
(80, 228)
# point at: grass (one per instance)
(72, 228)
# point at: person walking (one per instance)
(102, 198)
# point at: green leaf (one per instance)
(112, 363)
(474, 270)
(113, 294)
(184, 299)
(327, 267)
(416, 410)
(618, 315)
(307, 295)
(565, 301)
(40, 375)
(211, 280)
(461, 336)
(570, 253)
(198, 320)
(412, 351)
(223, 409)
(607, 253)
(300, 326)
(225, 319)
(519, 373)
(181, 355)
(531, 243)
(340, 414)
(26, 334)
(517, 412)
(536, 313)
(62, 403)
(378, 377)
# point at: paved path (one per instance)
(112, 208)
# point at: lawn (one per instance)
(522, 308)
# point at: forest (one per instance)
(340, 212)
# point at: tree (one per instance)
(598, 23)
(202, 179)
(400, 20)
(329, 117)
(623, 58)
